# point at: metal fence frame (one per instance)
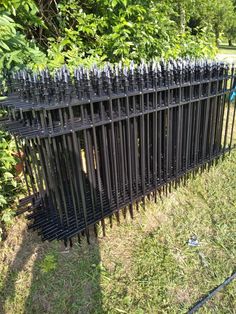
(101, 140)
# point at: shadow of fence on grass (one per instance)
(46, 278)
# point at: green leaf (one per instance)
(49, 263)
(4, 45)
(8, 175)
(124, 2)
(7, 216)
(114, 3)
(3, 200)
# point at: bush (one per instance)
(39, 33)
(9, 181)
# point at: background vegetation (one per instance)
(52, 32)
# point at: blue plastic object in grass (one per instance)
(232, 95)
(193, 241)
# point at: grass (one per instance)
(144, 265)
(227, 54)
(231, 50)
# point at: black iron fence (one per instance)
(101, 140)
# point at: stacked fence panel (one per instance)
(99, 140)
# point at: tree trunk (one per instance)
(217, 36)
(230, 42)
(182, 17)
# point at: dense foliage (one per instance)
(9, 185)
(40, 33)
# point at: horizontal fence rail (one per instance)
(101, 140)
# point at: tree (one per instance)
(15, 48)
(230, 27)
(77, 31)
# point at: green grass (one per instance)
(227, 50)
(227, 54)
(144, 265)
(227, 47)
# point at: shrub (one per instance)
(9, 181)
